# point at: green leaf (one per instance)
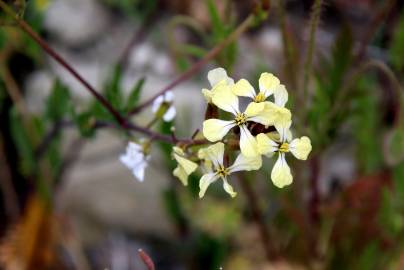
(134, 95)
(366, 124)
(113, 90)
(218, 27)
(23, 144)
(58, 102)
(85, 123)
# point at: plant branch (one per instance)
(44, 45)
(198, 65)
(374, 25)
(146, 260)
(314, 22)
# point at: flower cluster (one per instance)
(242, 133)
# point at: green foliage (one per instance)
(23, 144)
(366, 120)
(220, 31)
(113, 89)
(135, 94)
(58, 103)
(396, 50)
(329, 82)
(85, 123)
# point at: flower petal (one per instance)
(267, 83)
(266, 146)
(205, 181)
(168, 96)
(217, 75)
(170, 114)
(269, 114)
(228, 188)
(207, 94)
(215, 129)
(215, 153)
(300, 148)
(224, 98)
(281, 95)
(248, 144)
(157, 103)
(243, 163)
(181, 174)
(139, 170)
(243, 88)
(281, 175)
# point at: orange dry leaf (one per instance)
(29, 245)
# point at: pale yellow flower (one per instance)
(268, 85)
(216, 77)
(266, 113)
(185, 166)
(300, 148)
(214, 154)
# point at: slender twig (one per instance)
(146, 260)
(288, 46)
(198, 65)
(139, 35)
(257, 215)
(371, 30)
(345, 91)
(44, 45)
(307, 68)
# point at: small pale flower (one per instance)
(268, 85)
(214, 154)
(300, 148)
(265, 113)
(185, 166)
(216, 77)
(163, 106)
(136, 159)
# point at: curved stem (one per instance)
(41, 42)
(198, 65)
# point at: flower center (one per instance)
(240, 119)
(222, 171)
(284, 147)
(259, 98)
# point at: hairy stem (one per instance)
(307, 68)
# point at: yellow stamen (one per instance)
(284, 147)
(222, 171)
(260, 97)
(240, 119)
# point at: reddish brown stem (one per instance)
(42, 43)
(198, 65)
(146, 259)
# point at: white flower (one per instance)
(214, 154)
(135, 159)
(268, 84)
(266, 113)
(185, 166)
(300, 148)
(164, 105)
(216, 77)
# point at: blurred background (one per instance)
(66, 201)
